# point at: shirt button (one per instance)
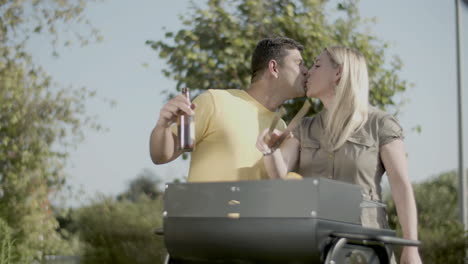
(330, 156)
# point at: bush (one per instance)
(6, 243)
(121, 231)
(441, 233)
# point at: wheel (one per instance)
(341, 251)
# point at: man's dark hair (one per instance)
(271, 49)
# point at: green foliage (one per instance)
(6, 243)
(20, 20)
(33, 120)
(145, 185)
(214, 49)
(38, 121)
(121, 231)
(439, 228)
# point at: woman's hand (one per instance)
(265, 141)
(278, 160)
(410, 255)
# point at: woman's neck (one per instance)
(327, 101)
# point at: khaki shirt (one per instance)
(357, 161)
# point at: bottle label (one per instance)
(192, 130)
(186, 133)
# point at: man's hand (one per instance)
(170, 111)
(163, 143)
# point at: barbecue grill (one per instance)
(314, 220)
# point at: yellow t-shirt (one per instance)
(227, 124)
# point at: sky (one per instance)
(421, 33)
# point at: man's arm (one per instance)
(163, 143)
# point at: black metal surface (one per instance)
(269, 222)
(260, 240)
(268, 240)
(378, 238)
(316, 198)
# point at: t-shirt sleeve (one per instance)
(389, 130)
(204, 111)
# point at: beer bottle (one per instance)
(185, 128)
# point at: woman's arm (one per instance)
(394, 159)
(278, 162)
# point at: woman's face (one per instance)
(322, 77)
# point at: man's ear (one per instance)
(338, 73)
(273, 68)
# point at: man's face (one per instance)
(293, 73)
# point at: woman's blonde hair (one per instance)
(350, 107)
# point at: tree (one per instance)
(213, 49)
(441, 234)
(145, 184)
(37, 123)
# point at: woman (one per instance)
(349, 141)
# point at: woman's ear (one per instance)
(337, 77)
(273, 68)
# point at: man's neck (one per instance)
(266, 95)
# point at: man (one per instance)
(227, 122)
